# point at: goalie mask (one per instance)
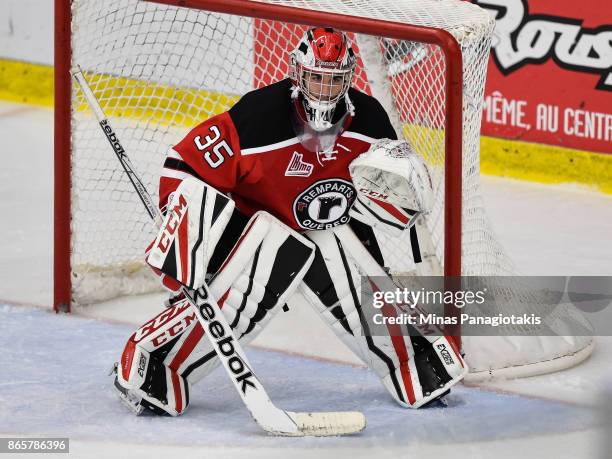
(322, 68)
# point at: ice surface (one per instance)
(55, 383)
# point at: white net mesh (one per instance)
(159, 70)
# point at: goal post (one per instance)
(160, 67)
(62, 148)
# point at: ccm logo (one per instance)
(174, 330)
(373, 194)
(158, 321)
(445, 354)
(174, 220)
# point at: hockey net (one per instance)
(158, 70)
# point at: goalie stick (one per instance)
(271, 418)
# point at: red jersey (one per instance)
(252, 153)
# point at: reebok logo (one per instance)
(112, 137)
(297, 167)
(225, 344)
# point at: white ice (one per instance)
(53, 380)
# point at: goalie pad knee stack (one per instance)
(168, 354)
(195, 220)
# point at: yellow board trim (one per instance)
(33, 84)
(142, 100)
(545, 163)
(26, 83)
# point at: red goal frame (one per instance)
(453, 123)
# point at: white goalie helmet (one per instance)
(322, 68)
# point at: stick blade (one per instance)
(332, 423)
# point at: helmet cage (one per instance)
(323, 88)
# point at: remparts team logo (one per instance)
(324, 205)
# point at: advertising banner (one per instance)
(550, 73)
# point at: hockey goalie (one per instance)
(276, 197)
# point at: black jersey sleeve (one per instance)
(370, 119)
(262, 116)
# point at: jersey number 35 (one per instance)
(215, 156)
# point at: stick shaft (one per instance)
(206, 309)
(113, 139)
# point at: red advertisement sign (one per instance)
(550, 74)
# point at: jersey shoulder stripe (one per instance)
(358, 136)
(182, 166)
(270, 148)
